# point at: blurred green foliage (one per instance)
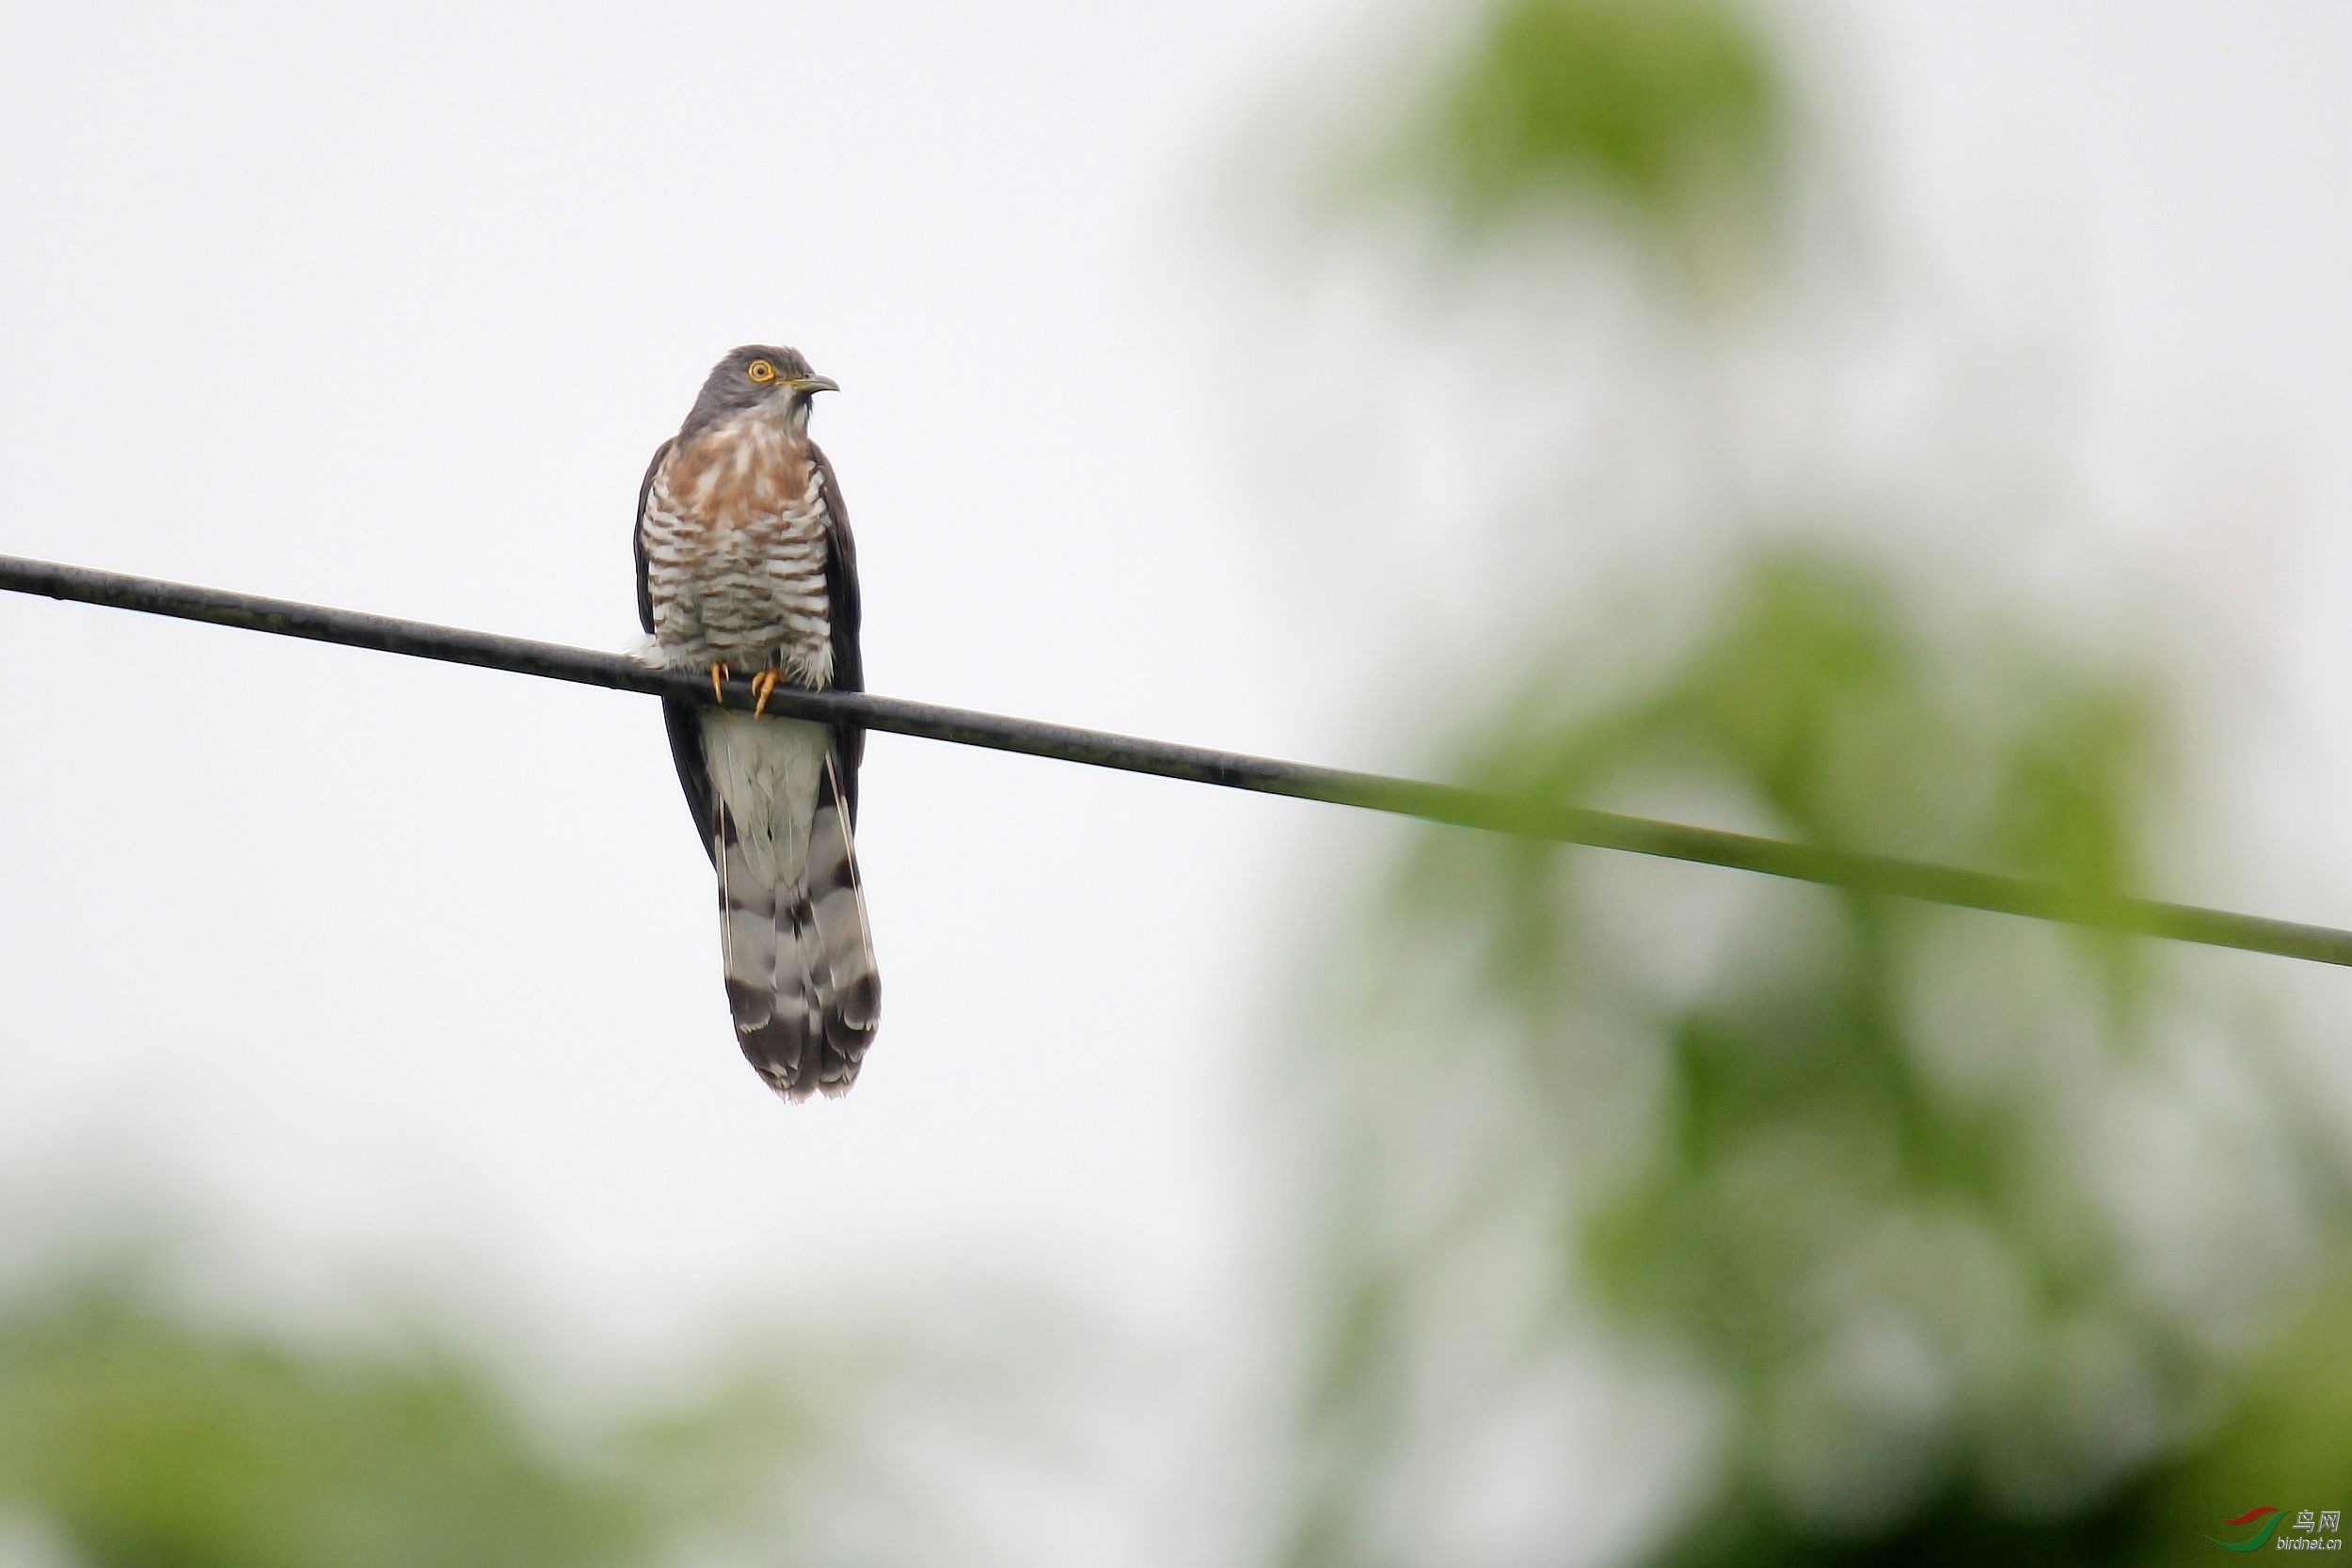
(1795, 1118)
(141, 1436)
(138, 1433)
(1830, 1148)
(147, 1442)
(1669, 113)
(1957, 1235)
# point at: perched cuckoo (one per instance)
(745, 564)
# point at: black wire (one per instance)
(1433, 802)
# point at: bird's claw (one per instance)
(764, 687)
(719, 674)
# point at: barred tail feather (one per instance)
(844, 946)
(800, 978)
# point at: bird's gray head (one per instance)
(757, 376)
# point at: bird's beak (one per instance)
(813, 384)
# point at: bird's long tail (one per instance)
(800, 962)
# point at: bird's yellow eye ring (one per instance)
(761, 370)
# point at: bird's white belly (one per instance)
(767, 772)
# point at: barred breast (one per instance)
(735, 534)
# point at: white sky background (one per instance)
(399, 969)
(386, 310)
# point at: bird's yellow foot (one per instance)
(764, 687)
(719, 674)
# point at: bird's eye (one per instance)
(761, 370)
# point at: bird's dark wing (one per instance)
(684, 723)
(841, 597)
(644, 582)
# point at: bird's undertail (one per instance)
(800, 963)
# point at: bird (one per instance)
(745, 562)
